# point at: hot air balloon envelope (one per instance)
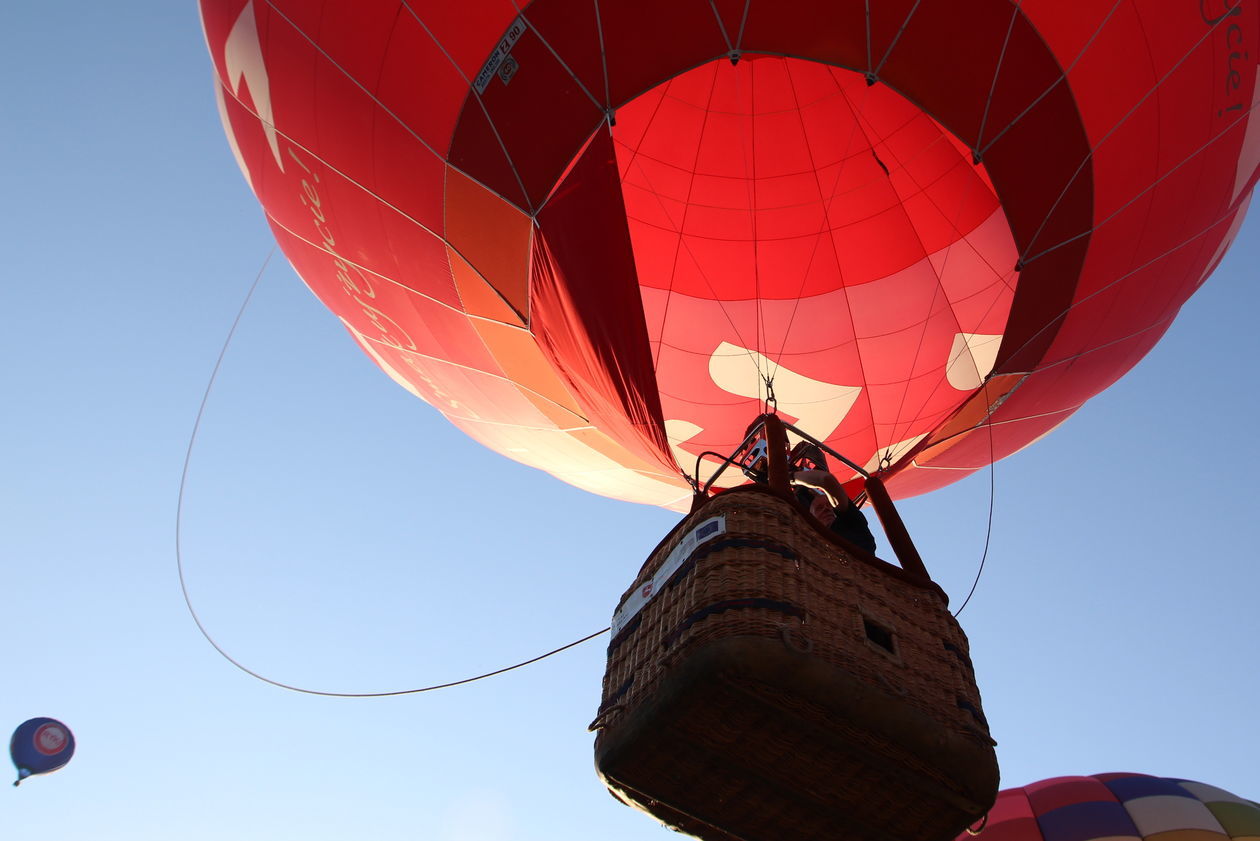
(40, 745)
(600, 238)
(1135, 806)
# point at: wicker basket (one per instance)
(766, 681)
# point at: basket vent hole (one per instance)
(880, 635)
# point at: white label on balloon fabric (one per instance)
(50, 739)
(509, 39)
(634, 602)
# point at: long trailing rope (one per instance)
(179, 555)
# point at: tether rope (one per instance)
(179, 556)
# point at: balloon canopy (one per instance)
(40, 745)
(1112, 806)
(601, 237)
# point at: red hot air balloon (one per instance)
(601, 237)
(1133, 806)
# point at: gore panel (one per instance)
(796, 228)
(585, 306)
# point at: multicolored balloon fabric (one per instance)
(40, 745)
(601, 238)
(1120, 806)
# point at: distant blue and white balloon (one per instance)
(40, 745)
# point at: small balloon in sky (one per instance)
(39, 746)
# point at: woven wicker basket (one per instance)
(779, 684)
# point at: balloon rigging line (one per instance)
(997, 72)
(896, 38)
(726, 36)
(988, 532)
(1100, 290)
(926, 323)
(683, 246)
(369, 94)
(228, 92)
(825, 230)
(1139, 195)
(743, 20)
(669, 293)
(949, 249)
(520, 182)
(1095, 147)
(601, 106)
(378, 103)
(870, 70)
(749, 153)
(981, 151)
(874, 139)
(179, 556)
(603, 57)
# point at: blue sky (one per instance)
(339, 535)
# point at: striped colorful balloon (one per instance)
(1120, 806)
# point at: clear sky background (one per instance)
(338, 534)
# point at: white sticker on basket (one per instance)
(634, 602)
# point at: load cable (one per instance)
(179, 557)
(988, 531)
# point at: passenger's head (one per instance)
(817, 504)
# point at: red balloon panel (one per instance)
(595, 240)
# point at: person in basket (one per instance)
(823, 496)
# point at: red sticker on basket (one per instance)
(702, 533)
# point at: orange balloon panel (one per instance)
(600, 237)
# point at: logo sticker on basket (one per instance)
(706, 530)
(702, 533)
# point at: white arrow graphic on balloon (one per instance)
(818, 406)
(243, 60)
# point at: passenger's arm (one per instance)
(825, 482)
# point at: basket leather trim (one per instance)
(786, 608)
(700, 553)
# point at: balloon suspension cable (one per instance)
(772, 402)
(179, 557)
(988, 532)
(693, 481)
